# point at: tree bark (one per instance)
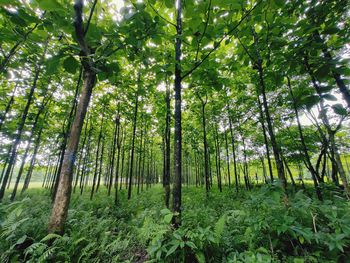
(97, 157)
(133, 140)
(61, 203)
(177, 121)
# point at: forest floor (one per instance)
(259, 225)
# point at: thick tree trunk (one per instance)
(61, 203)
(66, 131)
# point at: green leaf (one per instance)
(322, 72)
(21, 240)
(168, 218)
(191, 244)
(49, 237)
(165, 211)
(200, 257)
(279, 3)
(52, 64)
(172, 250)
(329, 97)
(70, 64)
(220, 225)
(7, 2)
(51, 5)
(339, 109)
(169, 3)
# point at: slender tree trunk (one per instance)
(177, 121)
(289, 171)
(97, 157)
(79, 169)
(217, 160)
(275, 147)
(32, 162)
(8, 107)
(166, 181)
(205, 144)
(139, 164)
(19, 175)
(17, 139)
(234, 154)
(123, 160)
(101, 164)
(46, 174)
(227, 161)
(304, 147)
(262, 121)
(133, 140)
(340, 167)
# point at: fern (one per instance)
(50, 237)
(219, 227)
(47, 254)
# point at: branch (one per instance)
(166, 20)
(246, 50)
(90, 17)
(219, 42)
(204, 31)
(79, 32)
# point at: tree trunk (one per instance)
(8, 107)
(227, 161)
(166, 181)
(177, 121)
(262, 121)
(234, 154)
(19, 175)
(97, 156)
(61, 203)
(304, 147)
(205, 143)
(133, 140)
(17, 139)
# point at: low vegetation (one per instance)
(261, 225)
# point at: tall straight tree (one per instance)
(177, 119)
(61, 203)
(22, 122)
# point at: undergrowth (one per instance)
(261, 225)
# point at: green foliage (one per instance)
(258, 226)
